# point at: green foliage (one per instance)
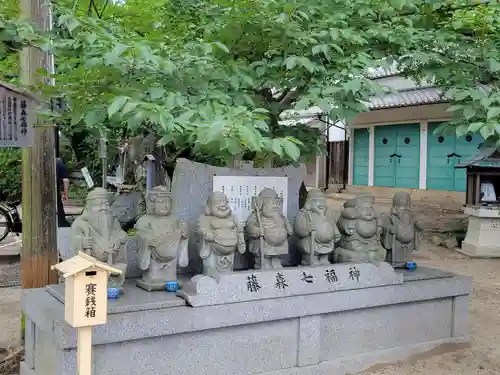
(10, 178)
(214, 76)
(468, 69)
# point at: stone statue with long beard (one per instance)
(316, 227)
(360, 231)
(268, 230)
(218, 236)
(401, 234)
(99, 234)
(163, 241)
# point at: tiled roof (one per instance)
(486, 157)
(417, 96)
(382, 71)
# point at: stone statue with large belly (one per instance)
(401, 235)
(218, 236)
(360, 233)
(268, 230)
(316, 227)
(162, 241)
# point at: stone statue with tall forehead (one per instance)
(98, 233)
(316, 227)
(268, 230)
(218, 236)
(163, 241)
(360, 231)
(401, 234)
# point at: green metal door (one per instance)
(408, 156)
(360, 159)
(466, 146)
(443, 153)
(384, 165)
(397, 155)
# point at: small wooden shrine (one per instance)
(16, 116)
(483, 169)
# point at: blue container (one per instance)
(113, 293)
(411, 265)
(172, 286)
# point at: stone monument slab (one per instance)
(63, 246)
(239, 191)
(193, 182)
(256, 285)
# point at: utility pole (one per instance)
(39, 248)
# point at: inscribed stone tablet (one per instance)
(256, 284)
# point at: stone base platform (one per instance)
(326, 333)
(483, 233)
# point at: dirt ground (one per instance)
(484, 355)
(481, 359)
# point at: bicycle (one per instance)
(10, 219)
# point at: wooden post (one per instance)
(85, 277)
(39, 249)
(103, 152)
(84, 350)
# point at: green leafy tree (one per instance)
(214, 77)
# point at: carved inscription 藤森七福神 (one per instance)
(254, 284)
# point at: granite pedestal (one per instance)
(483, 233)
(329, 332)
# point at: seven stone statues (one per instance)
(218, 235)
(401, 233)
(268, 230)
(316, 227)
(98, 233)
(360, 233)
(162, 240)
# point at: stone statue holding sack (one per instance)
(316, 227)
(401, 233)
(218, 236)
(360, 231)
(268, 230)
(163, 241)
(98, 233)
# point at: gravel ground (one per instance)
(10, 311)
(481, 359)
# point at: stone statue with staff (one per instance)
(268, 230)
(315, 225)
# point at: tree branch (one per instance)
(283, 94)
(266, 94)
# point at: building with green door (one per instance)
(394, 145)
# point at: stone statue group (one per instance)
(357, 236)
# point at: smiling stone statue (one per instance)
(218, 236)
(360, 231)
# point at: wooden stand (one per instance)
(85, 301)
(84, 351)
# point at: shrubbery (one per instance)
(10, 174)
